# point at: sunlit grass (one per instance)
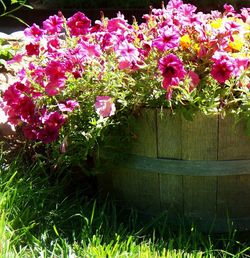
(38, 219)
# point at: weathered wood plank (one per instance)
(199, 197)
(199, 138)
(233, 196)
(184, 167)
(233, 141)
(169, 134)
(171, 194)
(137, 189)
(144, 130)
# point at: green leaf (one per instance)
(188, 114)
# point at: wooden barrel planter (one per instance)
(198, 170)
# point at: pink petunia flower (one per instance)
(116, 24)
(108, 41)
(30, 132)
(68, 106)
(34, 32)
(55, 70)
(26, 108)
(48, 134)
(11, 95)
(223, 67)
(53, 24)
(52, 123)
(168, 39)
(127, 54)
(78, 24)
(172, 70)
(53, 45)
(174, 4)
(195, 79)
(55, 86)
(104, 106)
(241, 64)
(91, 50)
(16, 59)
(54, 119)
(32, 49)
(222, 71)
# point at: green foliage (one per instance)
(6, 51)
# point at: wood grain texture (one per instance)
(169, 135)
(199, 197)
(185, 167)
(233, 196)
(144, 131)
(137, 189)
(171, 194)
(199, 138)
(233, 141)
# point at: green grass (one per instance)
(39, 218)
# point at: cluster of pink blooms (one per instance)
(177, 44)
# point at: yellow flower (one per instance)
(185, 41)
(196, 47)
(216, 24)
(237, 42)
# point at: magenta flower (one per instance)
(68, 106)
(37, 74)
(48, 134)
(195, 79)
(172, 70)
(91, 50)
(22, 110)
(223, 67)
(55, 86)
(127, 50)
(53, 45)
(222, 70)
(55, 70)
(16, 59)
(108, 41)
(127, 54)
(104, 106)
(30, 132)
(53, 119)
(32, 49)
(34, 32)
(52, 123)
(241, 64)
(26, 108)
(53, 24)
(11, 95)
(117, 24)
(168, 39)
(229, 9)
(78, 24)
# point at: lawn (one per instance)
(41, 217)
